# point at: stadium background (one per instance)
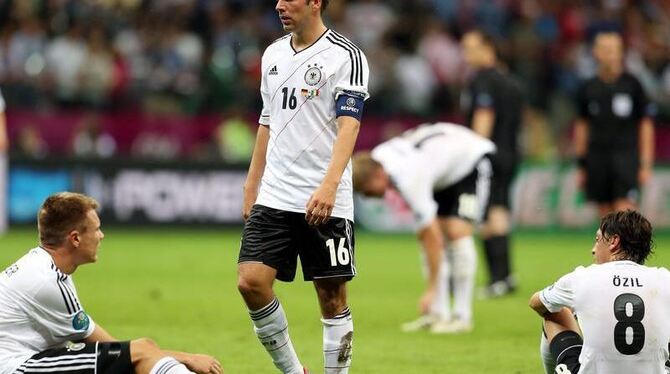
(150, 106)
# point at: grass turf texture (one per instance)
(179, 288)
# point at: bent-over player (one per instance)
(443, 173)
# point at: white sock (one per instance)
(464, 268)
(545, 353)
(271, 327)
(169, 365)
(440, 307)
(338, 334)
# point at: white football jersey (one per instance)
(39, 310)
(623, 310)
(430, 158)
(299, 90)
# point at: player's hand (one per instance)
(426, 302)
(250, 196)
(580, 178)
(644, 175)
(203, 364)
(320, 204)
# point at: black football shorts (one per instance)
(82, 358)
(277, 238)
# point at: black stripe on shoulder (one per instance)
(358, 54)
(75, 302)
(62, 292)
(352, 58)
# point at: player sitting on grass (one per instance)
(43, 326)
(622, 306)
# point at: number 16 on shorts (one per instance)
(339, 255)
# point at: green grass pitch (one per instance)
(179, 288)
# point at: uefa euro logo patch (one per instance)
(80, 321)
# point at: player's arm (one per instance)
(647, 149)
(581, 141)
(4, 141)
(432, 242)
(321, 203)
(483, 119)
(99, 335)
(256, 169)
(554, 298)
(536, 304)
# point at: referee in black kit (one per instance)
(614, 135)
(494, 105)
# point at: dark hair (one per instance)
(634, 231)
(62, 213)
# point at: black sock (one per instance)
(497, 256)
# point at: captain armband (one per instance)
(350, 104)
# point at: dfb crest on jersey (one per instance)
(313, 74)
(75, 347)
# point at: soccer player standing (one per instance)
(622, 306)
(494, 105)
(298, 194)
(614, 135)
(44, 327)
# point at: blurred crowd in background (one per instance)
(189, 57)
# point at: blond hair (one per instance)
(364, 167)
(61, 213)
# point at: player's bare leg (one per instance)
(495, 234)
(624, 204)
(604, 208)
(270, 324)
(338, 325)
(148, 358)
(463, 262)
(554, 324)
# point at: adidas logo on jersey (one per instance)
(273, 71)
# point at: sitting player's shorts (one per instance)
(82, 358)
(276, 238)
(468, 197)
(611, 176)
(566, 348)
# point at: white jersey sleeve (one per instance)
(57, 307)
(353, 75)
(419, 196)
(560, 294)
(265, 94)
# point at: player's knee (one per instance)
(248, 286)
(458, 232)
(143, 348)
